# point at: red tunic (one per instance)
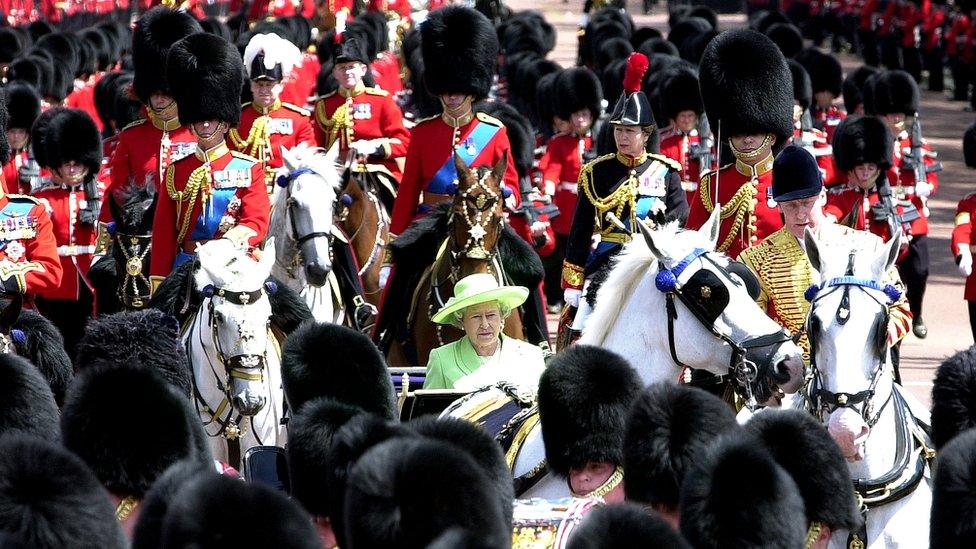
(83, 98)
(560, 167)
(828, 120)
(749, 215)
(140, 157)
(676, 145)
(963, 238)
(372, 114)
(11, 173)
(386, 72)
(30, 253)
(75, 240)
(285, 126)
(432, 143)
(253, 209)
(902, 179)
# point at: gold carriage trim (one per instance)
(572, 275)
(742, 202)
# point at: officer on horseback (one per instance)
(618, 189)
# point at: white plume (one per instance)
(276, 50)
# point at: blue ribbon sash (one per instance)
(469, 149)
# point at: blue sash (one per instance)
(468, 150)
(214, 210)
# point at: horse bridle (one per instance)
(474, 247)
(702, 295)
(345, 200)
(234, 366)
(135, 249)
(822, 401)
(285, 181)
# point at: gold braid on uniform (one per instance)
(739, 205)
(256, 142)
(339, 126)
(125, 508)
(607, 487)
(813, 534)
(189, 194)
(623, 196)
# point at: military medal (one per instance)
(469, 146)
(769, 197)
(15, 250)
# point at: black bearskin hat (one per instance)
(624, 525)
(860, 140)
(742, 75)
(155, 32)
(338, 362)
(215, 26)
(459, 47)
(147, 338)
(679, 92)
(688, 28)
(787, 38)
(310, 434)
(801, 445)
(668, 431)
(480, 445)
(49, 499)
(521, 137)
(853, 87)
(738, 495)
(954, 397)
(148, 533)
(35, 71)
(576, 89)
(953, 517)
(43, 346)
(11, 45)
(824, 70)
(220, 511)
(796, 174)
(23, 105)
(407, 492)
(26, 401)
(585, 396)
(206, 75)
(61, 49)
(62, 135)
(969, 146)
(894, 92)
(128, 451)
(802, 90)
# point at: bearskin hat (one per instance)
(624, 525)
(155, 32)
(105, 95)
(954, 397)
(860, 140)
(459, 47)
(36, 71)
(643, 34)
(824, 70)
(895, 91)
(610, 50)
(23, 104)
(529, 75)
(49, 499)
(125, 456)
(407, 492)
(99, 42)
(679, 92)
(520, 134)
(763, 19)
(969, 146)
(148, 339)
(742, 76)
(220, 511)
(687, 29)
(656, 47)
(148, 531)
(544, 107)
(63, 135)
(338, 362)
(206, 75)
(576, 89)
(739, 494)
(853, 86)
(802, 90)
(801, 445)
(43, 346)
(61, 48)
(953, 517)
(350, 48)
(217, 27)
(310, 434)
(584, 398)
(480, 445)
(787, 38)
(26, 401)
(668, 430)
(11, 45)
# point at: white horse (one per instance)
(302, 220)
(631, 318)
(235, 360)
(853, 392)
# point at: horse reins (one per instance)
(135, 255)
(383, 223)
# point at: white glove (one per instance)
(965, 263)
(572, 296)
(384, 275)
(923, 189)
(364, 148)
(240, 235)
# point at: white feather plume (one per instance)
(276, 50)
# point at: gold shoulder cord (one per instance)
(624, 195)
(257, 140)
(341, 121)
(189, 195)
(738, 205)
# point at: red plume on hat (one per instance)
(636, 68)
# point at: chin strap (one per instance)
(615, 479)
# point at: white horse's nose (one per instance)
(850, 432)
(248, 403)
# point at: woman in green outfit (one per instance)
(484, 356)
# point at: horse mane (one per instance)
(523, 266)
(131, 197)
(170, 295)
(288, 308)
(105, 280)
(44, 347)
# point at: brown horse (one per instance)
(475, 225)
(363, 217)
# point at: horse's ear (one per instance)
(332, 154)
(812, 249)
(11, 313)
(499, 170)
(459, 165)
(649, 238)
(712, 226)
(886, 259)
(288, 159)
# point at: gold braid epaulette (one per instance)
(739, 205)
(189, 195)
(620, 198)
(341, 121)
(256, 140)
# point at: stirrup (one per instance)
(364, 315)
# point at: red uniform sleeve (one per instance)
(551, 164)
(963, 229)
(255, 205)
(503, 147)
(408, 194)
(394, 130)
(118, 177)
(697, 215)
(42, 250)
(164, 234)
(303, 131)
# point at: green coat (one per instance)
(520, 363)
